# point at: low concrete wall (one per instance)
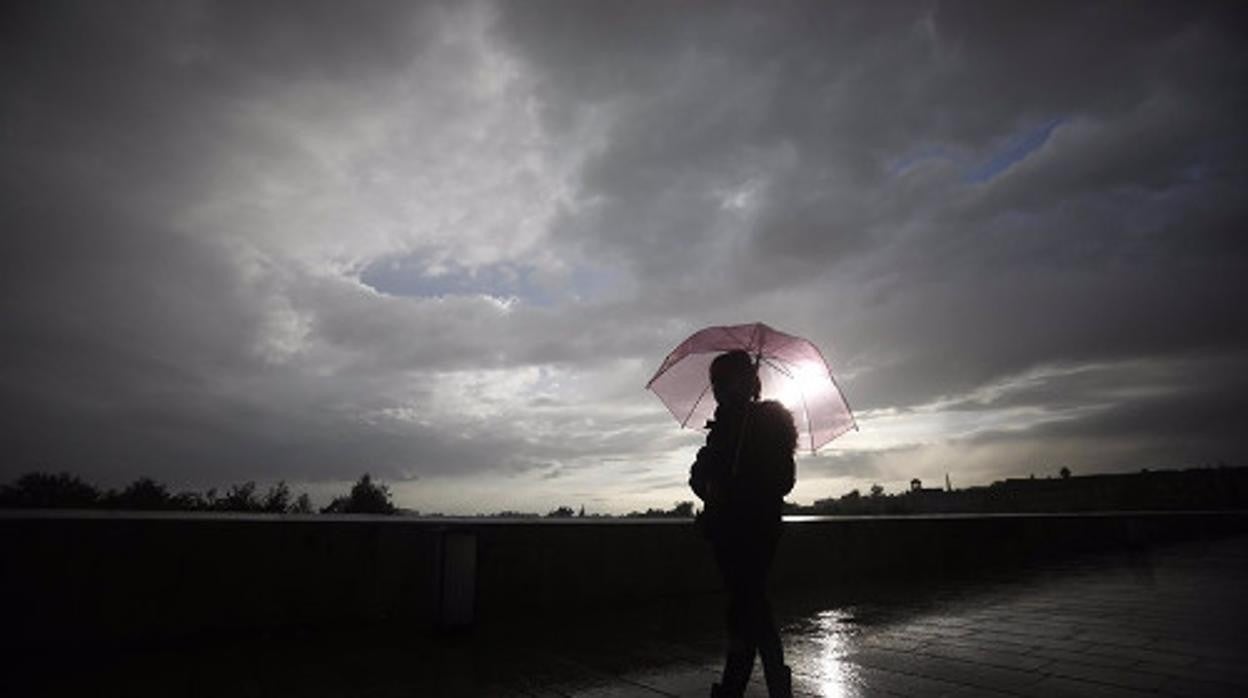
(73, 577)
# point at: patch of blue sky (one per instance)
(977, 171)
(1016, 149)
(904, 164)
(408, 276)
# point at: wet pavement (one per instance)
(1171, 621)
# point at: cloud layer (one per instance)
(448, 243)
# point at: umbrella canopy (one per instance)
(792, 370)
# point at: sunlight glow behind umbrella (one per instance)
(807, 379)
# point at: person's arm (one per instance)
(708, 467)
(699, 479)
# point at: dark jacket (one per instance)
(745, 469)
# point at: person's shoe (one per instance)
(737, 668)
(780, 682)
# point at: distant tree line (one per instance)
(38, 490)
(65, 491)
(681, 510)
(1218, 487)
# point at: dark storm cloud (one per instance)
(1112, 236)
(1124, 216)
(1152, 404)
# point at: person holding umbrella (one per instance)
(742, 475)
(746, 467)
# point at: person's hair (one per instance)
(736, 368)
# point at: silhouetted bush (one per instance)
(48, 491)
(302, 505)
(277, 499)
(144, 494)
(241, 497)
(365, 498)
(194, 501)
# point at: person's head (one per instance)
(734, 378)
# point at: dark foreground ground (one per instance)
(1171, 621)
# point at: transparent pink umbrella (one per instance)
(791, 369)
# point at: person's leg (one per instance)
(739, 658)
(765, 635)
(761, 625)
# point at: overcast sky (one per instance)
(448, 244)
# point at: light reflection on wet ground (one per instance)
(817, 647)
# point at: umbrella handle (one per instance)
(736, 457)
(745, 421)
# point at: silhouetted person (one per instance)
(742, 475)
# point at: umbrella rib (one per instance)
(693, 409)
(844, 399)
(743, 345)
(662, 368)
(777, 364)
(810, 428)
